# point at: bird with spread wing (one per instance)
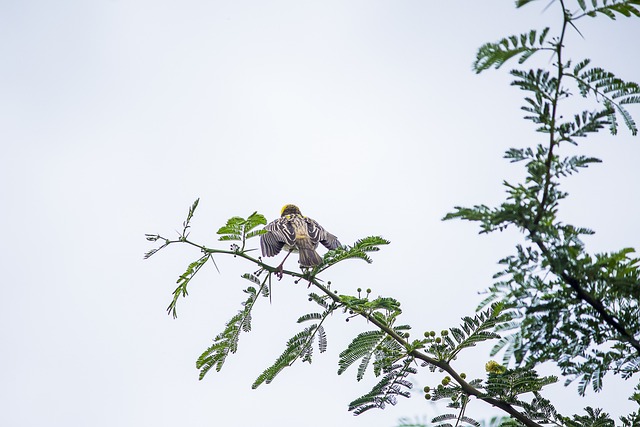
(296, 233)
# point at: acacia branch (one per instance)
(445, 366)
(573, 282)
(585, 296)
(552, 125)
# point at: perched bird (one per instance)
(296, 233)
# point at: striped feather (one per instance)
(296, 233)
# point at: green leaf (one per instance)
(520, 3)
(608, 8)
(392, 385)
(183, 281)
(226, 342)
(359, 250)
(186, 223)
(300, 346)
(362, 346)
(496, 54)
(240, 229)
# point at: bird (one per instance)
(296, 233)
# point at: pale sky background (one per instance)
(116, 115)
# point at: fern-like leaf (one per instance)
(309, 316)
(300, 346)
(359, 250)
(183, 281)
(514, 382)
(460, 421)
(241, 229)
(609, 8)
(361, 347)
(186, 224)
(477, 329)
(392, 384)
(496, 54)
(615, 91)
(322, 339)
(520, 3)
(226, 342)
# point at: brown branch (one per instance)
(466, 387)
(554, 111)
(585, 296)
(573, 282)
(445, 366)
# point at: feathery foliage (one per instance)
(614, 92)
(386, 391)
(567, 305)
(300, 346)
(473, 330)
(440, 421)
(241, 229)
(183, 281)
(609, 8)
(182, 236)
(496, 54)
(363, 346)
(226, 342)
(359, 250)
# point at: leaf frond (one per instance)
(226, 342)
(392, 385)
(496, 54)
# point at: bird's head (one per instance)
(290, 210)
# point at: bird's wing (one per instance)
(319, 234)
(278, 234)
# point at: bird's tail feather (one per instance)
(309, 258)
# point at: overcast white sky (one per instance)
(116, 115)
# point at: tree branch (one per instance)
(466, 387)
(445, 366)
(554, 111)
(585, 296)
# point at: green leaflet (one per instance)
(496, 54)
(512, 383)
(226, 342)
(386, 391)
(472, 331)
(359, 250)
(609, 8)
(183, 281)
(614, 92)
(363, 346)
(460, 421)
(241, 229)
(300, 346)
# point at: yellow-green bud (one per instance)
(494, 367)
